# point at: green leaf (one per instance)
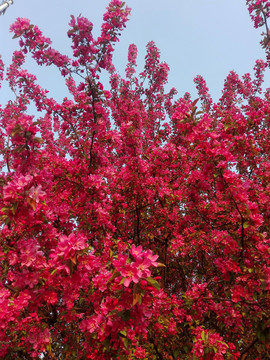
(122, 281)
(106, 344)
(152, 282)
(245, 225)
(224, 344)
(125, 342)
(123, 332)
(161, 265)
(176, 352)
(13, 208)
(203, 336)
(5, 210)
(54, 271)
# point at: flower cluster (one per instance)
(137, 269)
(259, 11)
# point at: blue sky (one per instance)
(206, 37)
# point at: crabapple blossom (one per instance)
(134, 224)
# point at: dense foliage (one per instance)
(134, 225)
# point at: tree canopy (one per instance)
(134, 224)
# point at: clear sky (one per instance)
(206, 37)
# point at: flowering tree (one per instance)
(260, 13)
(134, 226)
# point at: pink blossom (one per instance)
(136, 252)
(16, 186)
(19, 26)
(131, 273)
